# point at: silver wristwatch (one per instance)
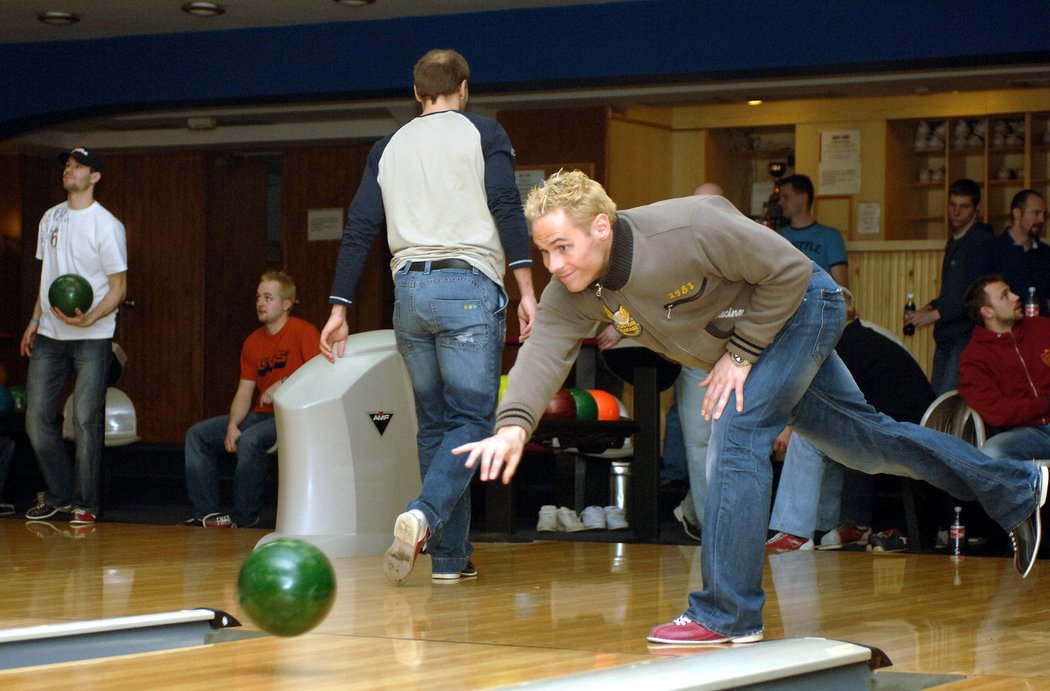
(739, 361)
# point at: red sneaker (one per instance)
(218, 520)
(845, 534)
(685, 631)
(82, 517)
(410, 537)
(786, 542)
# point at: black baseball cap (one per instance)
(81, 155)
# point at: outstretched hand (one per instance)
(502, 450)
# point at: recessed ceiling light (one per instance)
(755, 102)
(58, 18)
(203, 9)
(355, 3)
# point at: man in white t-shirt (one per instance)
(81, 237)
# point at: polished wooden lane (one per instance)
(538, 611)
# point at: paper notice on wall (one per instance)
(324, 224)
(527, 179)
(839, 171)
(868, 218)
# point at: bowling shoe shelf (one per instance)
(595, 436)
(1004, 153)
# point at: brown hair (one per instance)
(976, 297)
(439, 73)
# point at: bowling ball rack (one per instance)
(593, 437)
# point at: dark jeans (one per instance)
(205, 441)
(50, 366)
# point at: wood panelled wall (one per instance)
(552, 138)
(196, 234)
(883, 273)
(235, 256)
(196, 231)
(160, 200)
(328, 177)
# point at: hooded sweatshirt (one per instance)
(1006, 376)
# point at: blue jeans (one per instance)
(816, 493)
(50, 365)
(205, 442)
(696, 431)
(809, 491)
(800, 380)
(450, 326)
(1020, 442)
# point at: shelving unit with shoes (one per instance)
(1004, 153)
(918, 150)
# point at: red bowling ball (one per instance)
(561, 407)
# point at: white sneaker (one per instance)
(410, 536)
(614, 518)
(548, 521)
(568, 521)
(593, 518)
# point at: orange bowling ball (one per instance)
(608, 406)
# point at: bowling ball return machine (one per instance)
(346, 447)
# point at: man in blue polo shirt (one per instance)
(821, 243)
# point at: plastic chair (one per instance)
(950, 414)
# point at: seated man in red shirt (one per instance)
(270, 355)
(1004, 373)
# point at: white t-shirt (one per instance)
(89, 242)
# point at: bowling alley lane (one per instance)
(539, 610)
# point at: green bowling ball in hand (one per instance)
(70, 292)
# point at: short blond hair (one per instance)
(581, 198)
(284, 280)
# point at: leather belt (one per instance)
(440, 264)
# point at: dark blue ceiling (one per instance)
(626, 43)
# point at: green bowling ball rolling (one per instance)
(70, 292)
(287, 586)
(586, 407)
